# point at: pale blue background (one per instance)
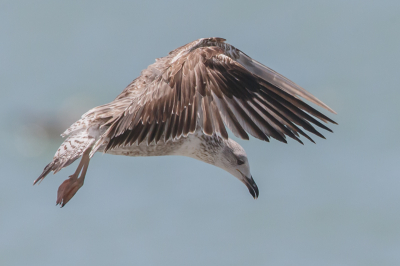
(334, 203)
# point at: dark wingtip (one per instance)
(283, 140)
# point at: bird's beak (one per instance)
(250, 184)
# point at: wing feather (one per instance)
(210, 85)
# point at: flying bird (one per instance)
(182, 105)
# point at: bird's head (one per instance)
(233, 159)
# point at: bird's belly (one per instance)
(181, 146)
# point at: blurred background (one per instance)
(333, 203)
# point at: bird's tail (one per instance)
(70, 150)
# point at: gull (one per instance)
(182, 105)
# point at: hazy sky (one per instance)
(333, 203)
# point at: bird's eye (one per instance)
(240, 162)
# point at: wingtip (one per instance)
(331, 110)
(322, 104)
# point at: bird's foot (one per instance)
(68, 189)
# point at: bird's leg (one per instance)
(70, 186)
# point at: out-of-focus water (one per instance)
(334, 203)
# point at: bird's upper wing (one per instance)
(210, 87)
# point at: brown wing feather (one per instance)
(208, 85)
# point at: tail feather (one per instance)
(71, 149)
(46, 171)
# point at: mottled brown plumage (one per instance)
(209, 73)
(198, 89)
